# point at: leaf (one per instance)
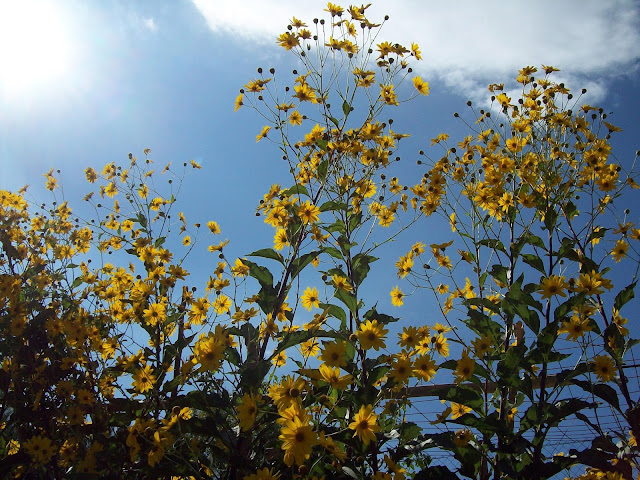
(334, 120)
(335, 311)
(436, 472)
(462, 394)
(348, 299)
(499, 272)
(493, 243)
(323, 166)
(349, 472)
(296, 190)
(602, 390)
(159, 242)
(346, 108)
(291, 339)
(360, 267)
(332, 205)
(268, 253)
(334, 252)
(355, 220)
(534, 260)
(409, 431)
(260, 273)
(299, 263)
(550, 218)
(562, 310)
(624, 295)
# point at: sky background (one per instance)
(83, 83)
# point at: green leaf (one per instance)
(355, 220)
(302, 261)
(348, 299)
(462, 394)
(322, 143)
(550, 218)
(499, 272)
(345, 245)
(602, 390)
(260, 273)
(562, 311)
(624, 296)
(332, 205)
(493, 243)
(334, 252)
(361, 267)
(296, 190)
(346, 108)
(534, 260)
(336, 312)
(334, 120)
(323, 168)
(159, 242)
(268, 253)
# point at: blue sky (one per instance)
(83, 83)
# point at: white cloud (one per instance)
(468, 43)
(150, 24)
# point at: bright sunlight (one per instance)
(34, 46)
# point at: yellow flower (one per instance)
(388, 95)
(298, 439)
(396, 297)
(457, 410)
(40, 449)
(222, 304)
(280, 239)
(332, 376)
(465, 367)
(213, 227)
(482, 345)
(238, 102)
(365, 424)
(333, 354)
(247, 412)
(143, 379)
(288, 40)
(341, 283)
(308, 212)
(553, 285)
(239, 269)
(575, 327)
(401, 369)
(424, 368)
(603, 367)
(186, 241)
(263, 133)
(462, 437)
(310, 298)
(209, 352)
(371, 335)
(280, 359)
(421, 86)
(295, 118)
(620, 250)
(440, 345)
(310, 348)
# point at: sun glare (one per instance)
(35, 46)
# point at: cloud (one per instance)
(150, 24)
(468, 44)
